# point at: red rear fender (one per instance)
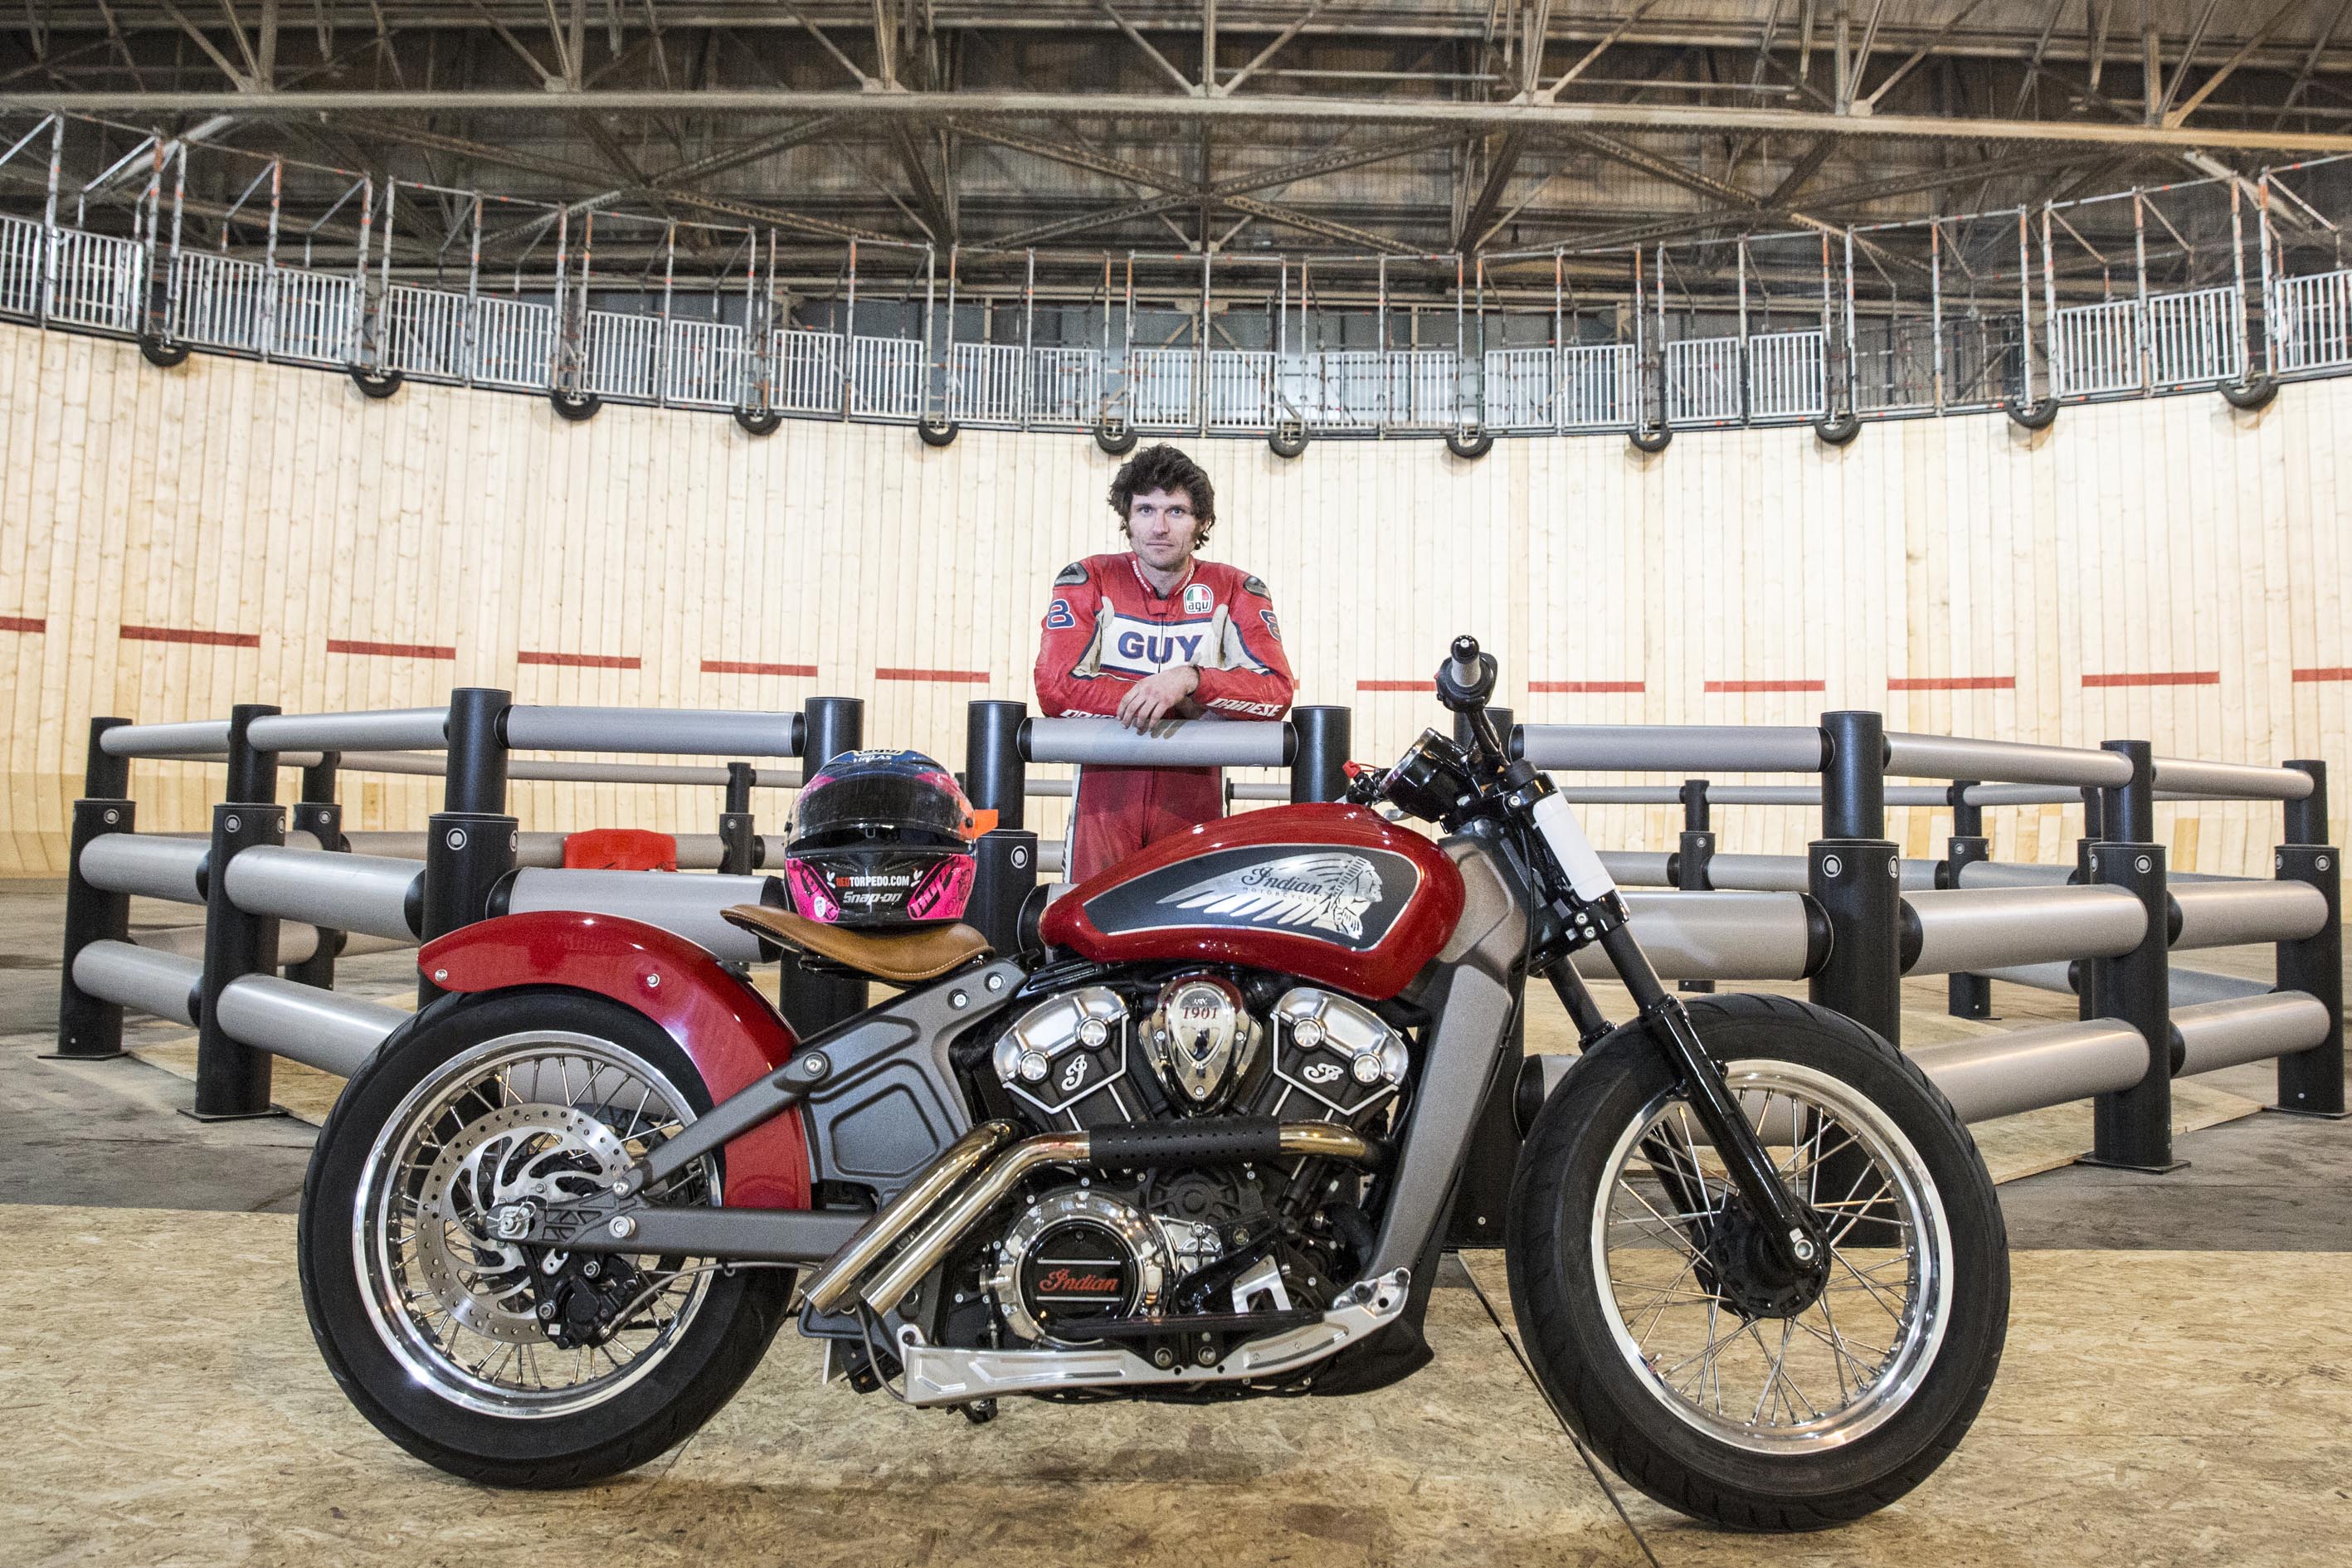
(726, 1029)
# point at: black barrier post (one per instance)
(318, 814)
(2132, 1127)
(1318, 767)
(1483, 1194)
(811, 1002)
(470, 843)
(87, 1028)
(1970, 996)
(1694, 853)
(996, 778)
(1852, 874)
(2311, 1082)
(233, 1079)
(739, 846)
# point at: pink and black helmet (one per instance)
(880, 839)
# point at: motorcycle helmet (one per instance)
(880, 839)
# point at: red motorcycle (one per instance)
(1196, 1141)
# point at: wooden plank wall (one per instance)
(173, 542)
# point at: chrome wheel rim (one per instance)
(538, 1114)
(1818, 1377)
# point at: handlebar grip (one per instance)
(1464, 668)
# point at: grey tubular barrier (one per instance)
(1910, 755)
(672, 732)
(2214, 1034)
(1258, 789)
(296, 942)
(1063, 788)
(691, 906)
(2013, 874)
(1049, 856)
(530, 849)
(193, 739)
(1757, 873)
(1969, 931)
(150, 866)
(2226, 914)
(393, 729)
(2001, 1074)
(342, 893)
(2230, 781)
(1636, 868)
(2189, 987)
(1719, 936)
(318, 1029)
(1671, 748)
(540, 772)
(1186, 743)
(162, 984)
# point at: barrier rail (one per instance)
(1850, 917)
(296, 897)
(2101, 930)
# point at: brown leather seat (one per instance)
(897, 958)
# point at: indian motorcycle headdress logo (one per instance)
(1326, 891)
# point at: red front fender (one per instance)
(726, 1028)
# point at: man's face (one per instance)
(1160, 527)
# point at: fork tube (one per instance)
(1794, 1235)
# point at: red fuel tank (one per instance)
(1332, 893)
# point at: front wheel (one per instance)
(494, 1360)
(1652, 1308)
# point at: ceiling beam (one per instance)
(978, 105)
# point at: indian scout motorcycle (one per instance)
(1197, 1142)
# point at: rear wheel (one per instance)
(1653, 1308)
(494, 1360)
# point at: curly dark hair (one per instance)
(1164, 468)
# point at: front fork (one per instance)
(1788, 1225)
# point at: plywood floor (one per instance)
(165, 1406)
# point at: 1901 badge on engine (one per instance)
(1203, 1039)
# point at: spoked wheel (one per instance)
(492, 1358)
(1660, 1324)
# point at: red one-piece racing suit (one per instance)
(1107, 629)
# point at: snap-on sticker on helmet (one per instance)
(880, 837)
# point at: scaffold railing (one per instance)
(2227, 282)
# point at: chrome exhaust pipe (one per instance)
(1122, 1146)
(829, 1288)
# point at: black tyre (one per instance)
(574, 407)
(1116, 437)
(1700, 1378)
(378, 385)
(758, 422)
(437, 1330)
(1649, 443)
(2251, 395)
(2032, 416)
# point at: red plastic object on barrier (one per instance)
(619, 849)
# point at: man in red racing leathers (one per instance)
(1152, 634)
